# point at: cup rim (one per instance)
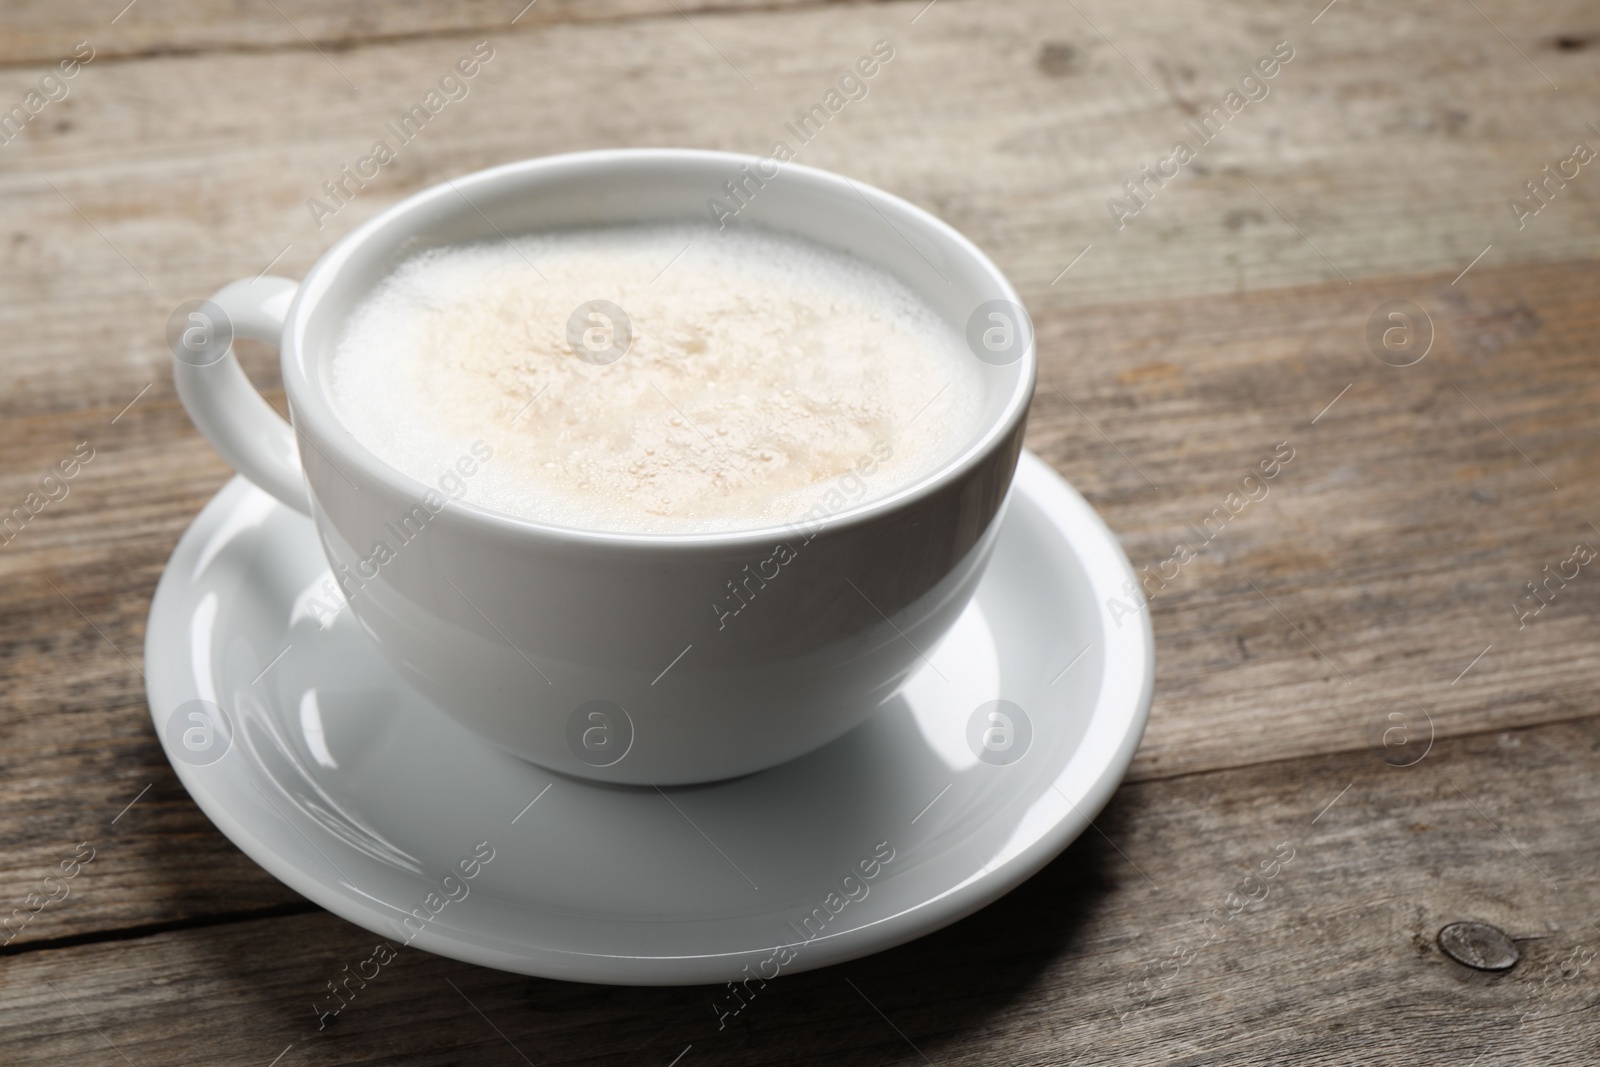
(315, 416)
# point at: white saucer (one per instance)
(350, 788)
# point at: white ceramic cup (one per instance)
(617, 656)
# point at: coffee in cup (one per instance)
(655, 379)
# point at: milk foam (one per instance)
(765, 376)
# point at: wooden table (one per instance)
(1384, 574)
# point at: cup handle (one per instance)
(223, 405)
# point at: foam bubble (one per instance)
(763, 377)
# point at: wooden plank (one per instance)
(1268, 914)
(39, 32)
(1393, 543)
(1388, 553)
(1016, 123)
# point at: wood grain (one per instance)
(1104, 958)
(1227, 318)
(1389, 552)
(38, 32)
